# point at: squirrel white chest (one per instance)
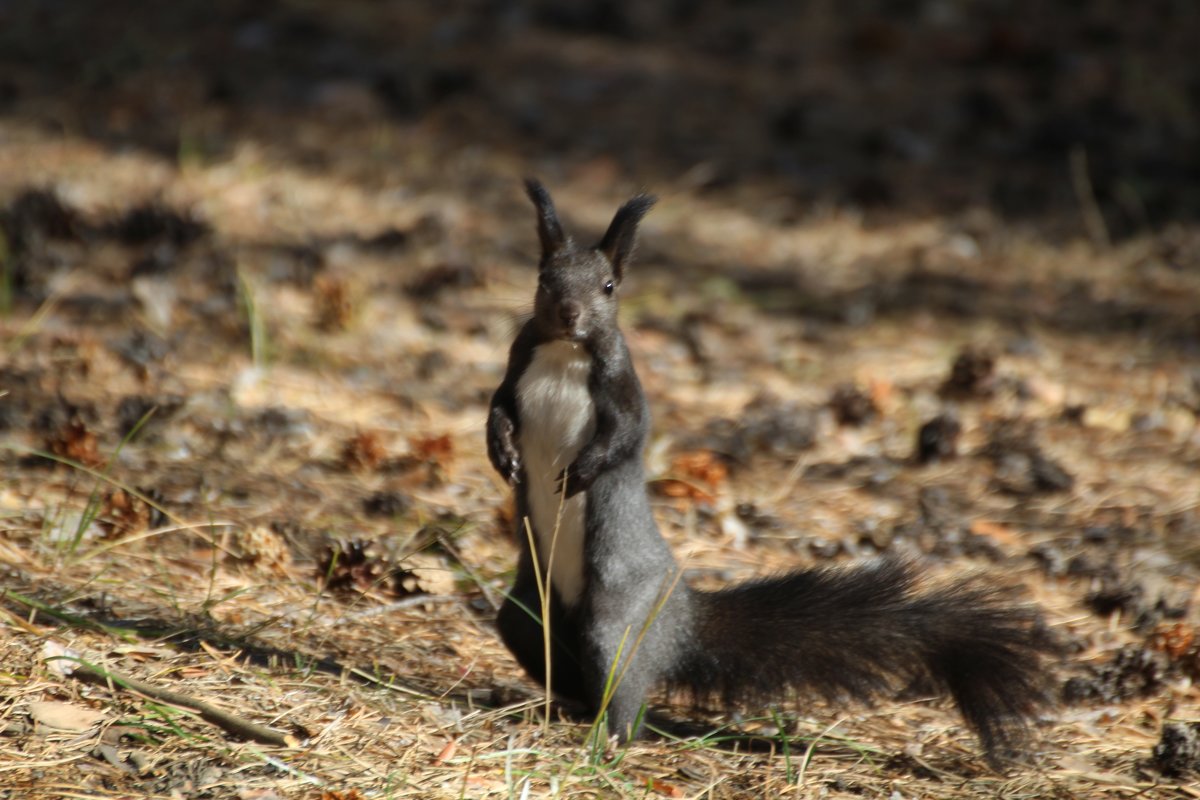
(557, 417)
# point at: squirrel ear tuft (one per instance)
(550, 231)
(619, 240)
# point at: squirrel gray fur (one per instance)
(566, 429)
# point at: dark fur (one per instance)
(855, 633)
(866, 631)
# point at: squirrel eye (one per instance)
(608, 288)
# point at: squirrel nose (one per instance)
(569, 312)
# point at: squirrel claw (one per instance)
(512, 470)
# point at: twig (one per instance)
(399, 605)
(209, 713)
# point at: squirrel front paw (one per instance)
(509, 467)
(502, 449)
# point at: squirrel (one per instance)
(566, 429)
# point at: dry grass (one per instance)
(418, 699)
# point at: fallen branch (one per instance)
(209, 713)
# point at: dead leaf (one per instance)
(670, 487)
(664, 788)
(64, 716)
(193, 672)
(1174, 640)
(430, 575)
(333, 794)
(696, 474)
(271, 794)
(702, 465)
(76, 442)
(446, 753)
(363, 451)
(882, 393)
(434, 448)
(1000, 534)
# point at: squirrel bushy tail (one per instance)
(868, 631)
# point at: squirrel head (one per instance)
(577, 286)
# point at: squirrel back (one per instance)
(566, 429)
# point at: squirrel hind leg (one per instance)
(623, 698)
(519, 622)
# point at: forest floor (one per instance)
(261, 267)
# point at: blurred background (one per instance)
(892, 106)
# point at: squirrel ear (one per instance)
(550, 232)
(621, 236)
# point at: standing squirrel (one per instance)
(567, 428)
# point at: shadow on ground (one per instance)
(910, 107)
